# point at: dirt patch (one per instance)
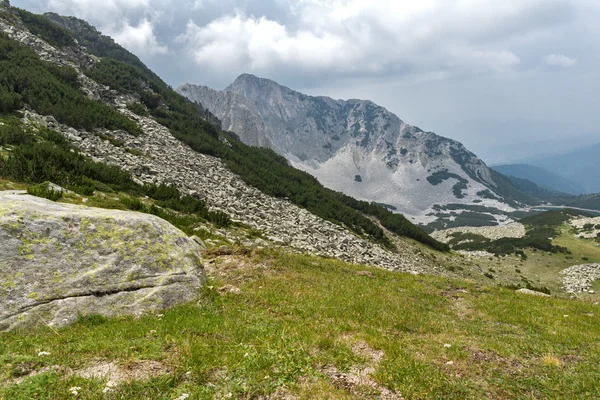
(229, 289)
(368, 274)
(31, 372)
(131, 371)
(108, 370)
(236, 269)
(462, 308)
(479, 356)
(358, 382)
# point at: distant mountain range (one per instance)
(580, 166)
(543, 178)
(354, 146)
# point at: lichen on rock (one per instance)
(60, 261)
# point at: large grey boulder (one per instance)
(58, 261)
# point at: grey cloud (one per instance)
(463, 68)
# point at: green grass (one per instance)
(298, 314)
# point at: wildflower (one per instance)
(447, 345)
(43, 353)
(109, 387)
(75, 390)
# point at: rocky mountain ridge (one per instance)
(353, 146)
(156, 156)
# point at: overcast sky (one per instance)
(508, 78)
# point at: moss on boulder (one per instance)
(58, 261)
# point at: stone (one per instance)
(57, 188)
(532, 292)
(199, 242)
(60, 261)
(229, 289)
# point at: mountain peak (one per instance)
(246, 82)
(337, 141)
(246, 77)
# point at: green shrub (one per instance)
(48, 157)
(46, 29)
(43, 190)
(138, 109)
(51, 90)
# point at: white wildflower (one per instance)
(447, 345)
(43, 353)
(75, 390)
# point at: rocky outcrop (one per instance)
(60, 261)
(588, 228)
(579, 278)
(512, 230)
(239, 114)
(353, 146)
(532, 292)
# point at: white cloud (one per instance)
(106, 11)
(139, 39)
(112, 18)
(378, 36)
(559, 60)
(260, 43)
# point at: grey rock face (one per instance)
(337, 140)
(59, 261)
(239, 116)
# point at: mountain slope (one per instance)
(542, 178)
(113, 110)
(353, 146)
